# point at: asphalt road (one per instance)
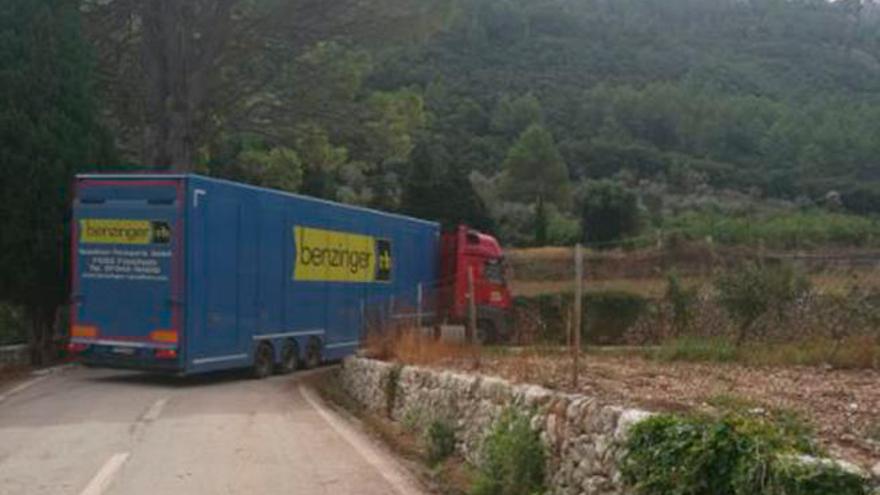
(91, 432)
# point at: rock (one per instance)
(627, 420)
(875, 471)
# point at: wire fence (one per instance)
(651, 295)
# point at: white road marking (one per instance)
(22, 386)
(155, 410)
(102, 480)
(393, 474)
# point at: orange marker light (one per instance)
(164, 336)
(86, 331)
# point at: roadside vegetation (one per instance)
(13, 329)
(513, 459)
(735, 454)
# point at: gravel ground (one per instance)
(842, 406)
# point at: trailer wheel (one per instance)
(289, 357)
(313, 353)
(263, 361)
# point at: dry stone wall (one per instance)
(583, 437)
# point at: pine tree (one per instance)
(536, 171)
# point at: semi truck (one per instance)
(188, 274)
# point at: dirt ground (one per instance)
(842, 406)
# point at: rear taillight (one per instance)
(166, 354)
(76, 348)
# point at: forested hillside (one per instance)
(690, 103)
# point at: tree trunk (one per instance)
(40, 340)
(168, 131)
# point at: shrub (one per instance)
(609, 213)
(792, 475)
(439, 441)
(755, 289)
(607, 315)
(791, 230)
(732, 455)
(513, 458)
(681, 301)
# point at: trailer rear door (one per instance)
(128, 272)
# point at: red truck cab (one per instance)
(464, 249)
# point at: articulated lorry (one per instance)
(188, 274)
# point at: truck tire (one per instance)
(289, 358)
(264, 361)
(313, 353)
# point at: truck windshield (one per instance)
(493, 270)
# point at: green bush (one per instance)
(681, 301)
(513, 459)
(791, 477)
(439, 441)
(733, 455)
(786, 230)
(755, 289)
(607, 314)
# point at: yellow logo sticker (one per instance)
(333, 256)
(109, 231)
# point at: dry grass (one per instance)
(842, 405)
(412, 346)
(859, 352)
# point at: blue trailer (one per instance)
(189, 274)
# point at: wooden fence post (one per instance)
(577, 316)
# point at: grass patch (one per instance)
(696, 349)
(513, 458)
(439, 441)
(848, 353)
(730, 455)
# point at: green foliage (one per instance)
(436, 189)
(681, 301)
(49, 130)
(791, 477)
(541, 222)
(731, 455)
(512, 115)
(396, 117)
(513, 458)
(793, 230)
(697, 349)
(562, 229)
(279, 168)
(439, 441)
(755, 289)
(535, 169)
(609, 213)
(608, 314)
